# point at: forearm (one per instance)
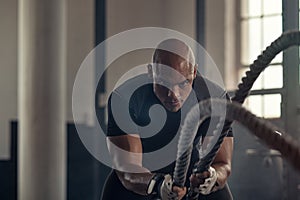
(135, 182)
(222, 162)
(126, 152)
(223, 171)
(134, 177)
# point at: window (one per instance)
(261, 24)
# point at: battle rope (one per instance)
(264, 130)
(286, 40)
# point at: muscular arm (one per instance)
(222, 162)
(126, 152)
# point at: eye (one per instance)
(160, 82)
(184, 83)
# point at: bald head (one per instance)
(173, 72)
(171, 48)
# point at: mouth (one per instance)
(172, 103)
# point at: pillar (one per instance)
(41, 100)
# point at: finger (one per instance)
(172, 195)
(180, 191)
(183, 192)
(203, 175)
(177, 189)
(203, 186)
(196, 181)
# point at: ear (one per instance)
(195, 70)
(150, 71)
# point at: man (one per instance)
(174, 84)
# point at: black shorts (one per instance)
(114, 190)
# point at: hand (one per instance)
(170, 192)
(205, 182)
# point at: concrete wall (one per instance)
(222, 40)
(214, 33)
(123, 15)
(8, 71)
(80, 41)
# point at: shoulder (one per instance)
(206, 88)
(131, 85)
(135, 86)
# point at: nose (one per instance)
(174, 92)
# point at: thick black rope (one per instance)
(286, 40)
(271, 135)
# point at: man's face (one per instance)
(173, 77)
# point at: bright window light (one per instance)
(261, 24)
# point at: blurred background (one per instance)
(234, 33)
